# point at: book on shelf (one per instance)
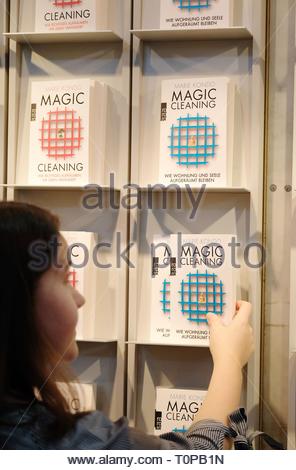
(67, 132)
(176, 409)
(82, 276)
(54, 16)
(196, 14)
(191, 276)
(81, 397)
(196, 131)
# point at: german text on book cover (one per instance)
(66, 132)
(192, 276)
(196, 119)
(65, 15)
(195, 14)
(176, 409)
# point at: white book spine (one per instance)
(99, 132)
(196, 124)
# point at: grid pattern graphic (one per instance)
(192, 5)
(72, 278)
(66, 3)
(165, 297)
(61, 133)
(193, 141)
(201, 293)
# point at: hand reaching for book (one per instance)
(233, 343)
(231, 347)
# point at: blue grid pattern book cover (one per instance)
(196, 14)
(192, 276)
(196, 120)
(176, 409)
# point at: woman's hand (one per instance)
(232, 344)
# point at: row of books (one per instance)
(68, 133)
(90, 15)
(190, 276)
(175, 409)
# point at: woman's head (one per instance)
(38, 307)
(56, 303)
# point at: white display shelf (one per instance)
(174, 345)
(165, 367)
(291, 431)
(105, 57)
(195, 190)
(98, 364)
(64, 37)
(96, 340)
(234, 32)
(27, 187)
(159, 55)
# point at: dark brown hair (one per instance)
(25, 355)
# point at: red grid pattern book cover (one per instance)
(67, 133)
(65, 15)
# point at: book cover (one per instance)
(82, 277)
(196, 14)
(196, 123)
(192, 276)
(67, 132)
(80, 396)
(66, 15)
(176, 409)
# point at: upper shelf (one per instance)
(171, 189)
(29, 187)
(64, 37)
(235, 32)
(144, 190)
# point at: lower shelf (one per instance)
(235, 32)
(151, 343)
(96, 340)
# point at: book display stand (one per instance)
(159, 55)
(135, 50)
(101, 55)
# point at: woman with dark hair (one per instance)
(38, 317)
